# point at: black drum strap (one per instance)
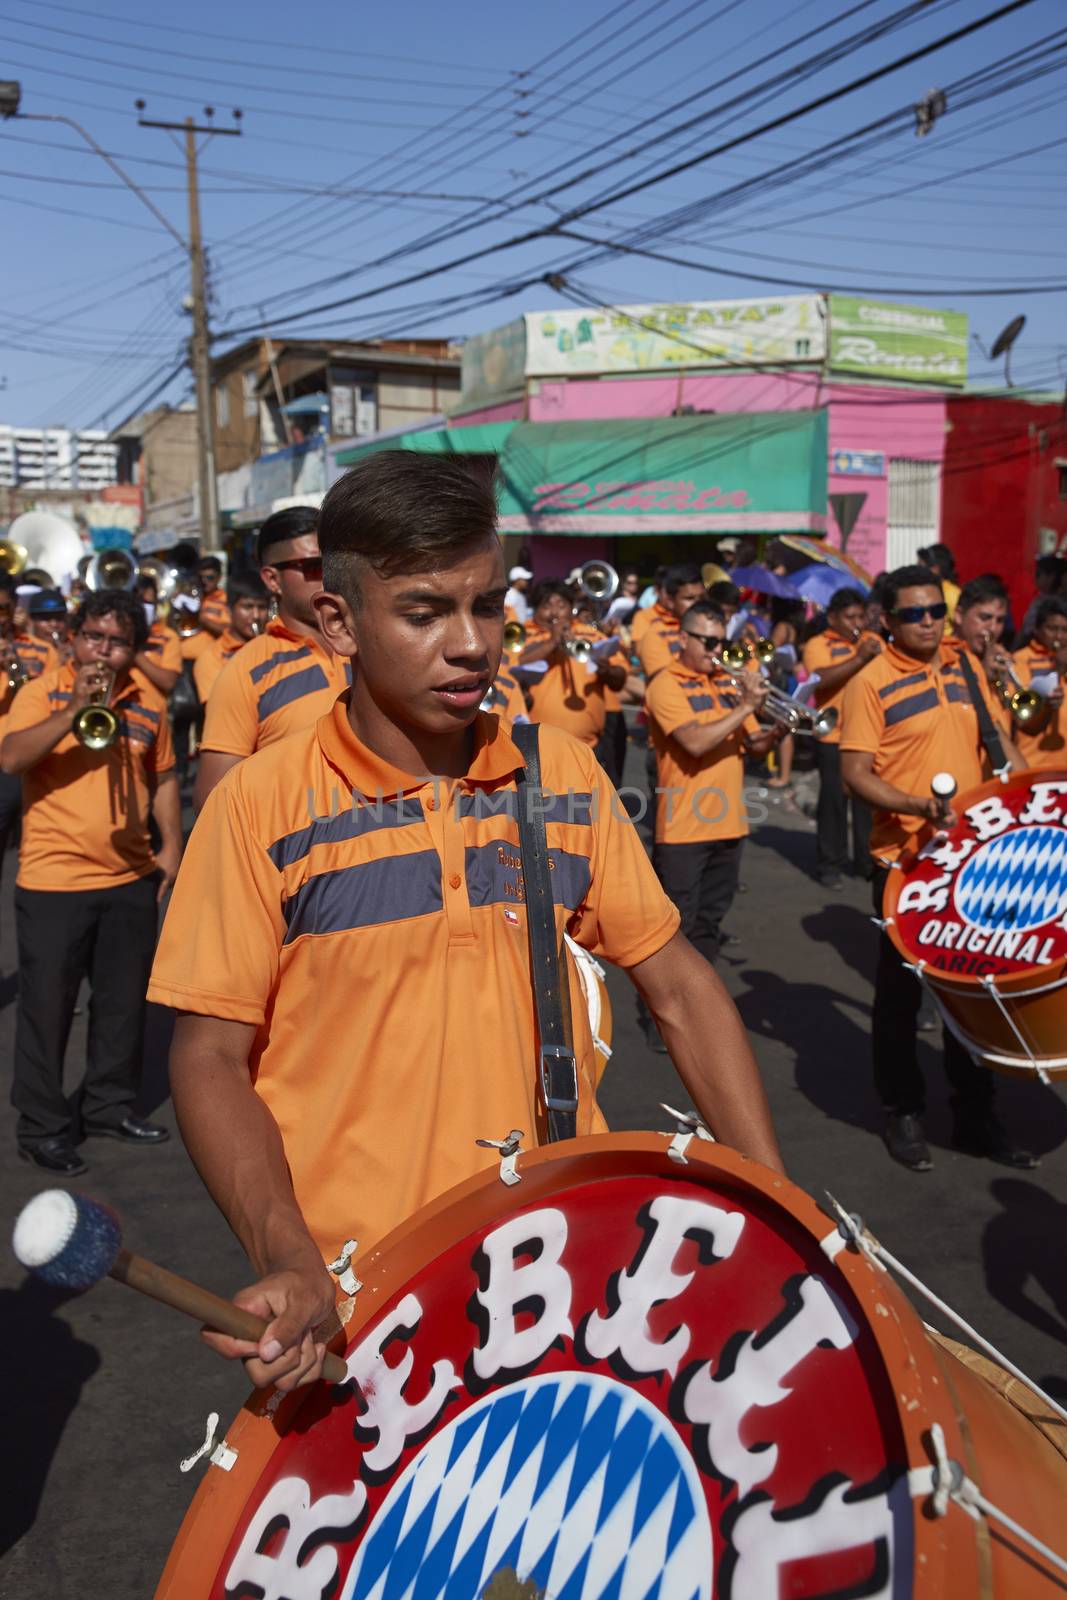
(557, 1075)
(986, 726)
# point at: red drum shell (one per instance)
(1014, 1018)
(849, 1406)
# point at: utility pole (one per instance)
(200, 343)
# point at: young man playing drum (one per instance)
(347, 946)
(908, 715)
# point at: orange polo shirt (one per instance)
(830, 649)
(660, 643)
(381, 954)
(213, 608)
(568, 694)
(165, 648)
(85, 812)
(642, 620)
(701, 797)
(915, 720)
(210, 662)
(278, 685)
(36, 655)
(1047, 748)
(193, 645)
(507, 698)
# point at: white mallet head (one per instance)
(67, 1239)
(943, 785)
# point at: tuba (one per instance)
(111, 569)
(598, 581)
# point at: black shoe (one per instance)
(906, 1142)
(831, 880)
(986, 1136)
(131, 1130)
(54, 1155)
(653, 1037)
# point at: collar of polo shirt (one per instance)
(495, 756)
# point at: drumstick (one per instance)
(943, 787)
(73, 1242)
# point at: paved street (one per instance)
(104, 1394)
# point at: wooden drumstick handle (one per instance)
(223, 1315)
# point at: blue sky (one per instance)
(365, 133)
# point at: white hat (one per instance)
(519, 572)
(727, 544)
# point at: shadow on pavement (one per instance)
(849, 932)
(51, 1365)
(1023, 1249)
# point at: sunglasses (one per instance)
(917, 613)
(309, 567)
(710, 641)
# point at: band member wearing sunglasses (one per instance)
(908, 715)
(287, 678)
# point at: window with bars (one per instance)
(914, 509)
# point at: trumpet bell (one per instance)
(579, 649)
(514, 638)
(39, 576)
(111, 569)
(598, 580)
(824, 722)
(734, 656)
(764, 652)
(165, 578)
(1026, 706)
(95, 727)
(13, 557)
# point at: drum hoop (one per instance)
(910, 1366)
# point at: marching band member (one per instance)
(284, 680)
(906, 716)
(88, 882)
(978, 623)
(661, 643)
(21, 658)
(214, 612)
(506, 698)
(159, 663)
(836, 655)
(248, 600)
(335, 1061)
(704, 724)
(650, 606)
(569, 693)
(48, 626)
(1043, 743)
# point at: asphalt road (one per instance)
(105, 1393)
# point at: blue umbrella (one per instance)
(764, 582)
(818, 582)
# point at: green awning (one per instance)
(764, 472)
(481, 438)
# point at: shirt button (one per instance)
(428, 802)
(455, 880)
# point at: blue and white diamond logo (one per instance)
(569, 1479)
(1018, 880)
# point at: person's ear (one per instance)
(271, 579)
(336, 622)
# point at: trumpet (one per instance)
(96, 726)
(1025, 705)
(579, 649)
(796, 715)
(737, 655)
(514, 638)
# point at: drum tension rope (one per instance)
(689, 1127)
(510, 1150)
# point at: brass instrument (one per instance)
(598, 581)
(514, 638)
(111, 569)
(165, 578)
(579, 649)
(39, 577)
(737, 655)
(96, 726)
(13, 557)
(1025, 705)
(17, 674)
(782, 707)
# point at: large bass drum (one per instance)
(648, 1368)
(981, 914)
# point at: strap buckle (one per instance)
(559, 1078)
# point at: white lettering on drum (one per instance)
(509, 1286)
(765, 1543)
(717, 1406)
(920, 895)
(281, 1575)
(386, 1410)
(650, 1280)
(989, 817)
(1039, 807)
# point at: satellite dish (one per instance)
(1003, 342)
(50, 541)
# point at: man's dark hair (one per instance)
(403, 511)
(1053, 605)
(1050, 567)
(546, 589)
(701, 608)
(659, 576)
(680, 577)
(725, 593)
(122, 604)
(841, 599)
(940, 557)
(906, 578)
(979, 591)
(245, 585)
(283, 526)
(211, 562)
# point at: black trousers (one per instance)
(10, 808)
(701, 879)
(109, 935)
(611, 747)
(894, 1045)
(832, 817)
